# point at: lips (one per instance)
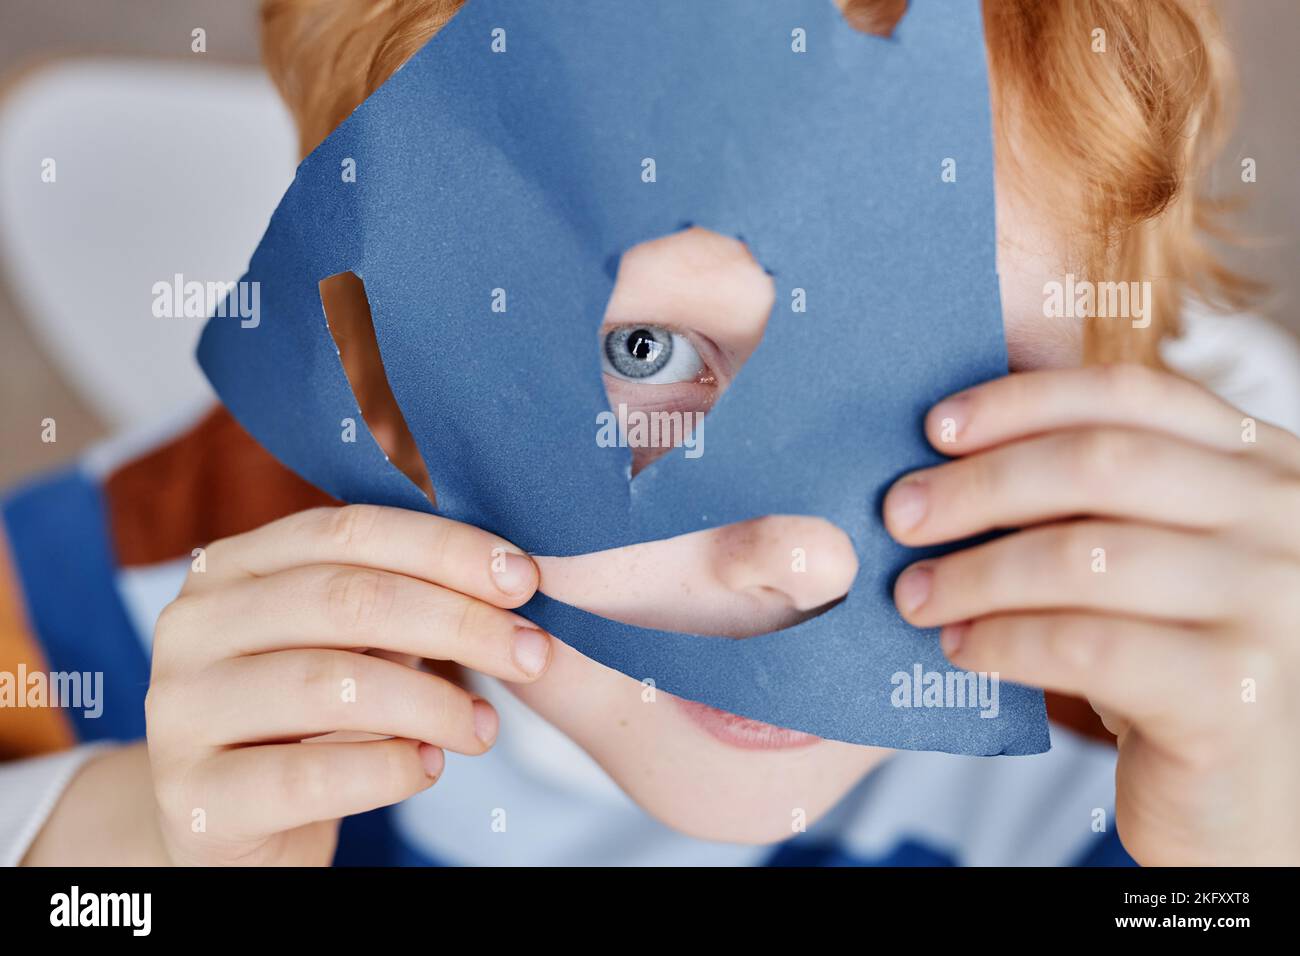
(742, 732)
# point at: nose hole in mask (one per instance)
(739, 580)
(347, 313)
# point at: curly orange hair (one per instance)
(1123, 133)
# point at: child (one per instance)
(1184, 646)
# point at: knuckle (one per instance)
(172, 716)
(1124, 383)
(303, 780)
(998, 638)
(401, 767)
(441, 544)
(358, 599)
(215, 554)
(157, 704)
(1069, 548)
(315, 672)
(1266, 596)
(1102, 457)
(173, 623)
(990, 570)
(448, 708)
(172, 619)
(1016, 391)
(456, 622)
(351, 527)
(472, 622)
(1079, 652)
(984, 479)
(311, 522)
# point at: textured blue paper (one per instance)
(521, 170)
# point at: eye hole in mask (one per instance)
(686, 312)
(347, 313)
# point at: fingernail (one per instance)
(906, 503)
(951, 416)
(432, 759)
(531, 650)
(514, 573)
(913, 588)
(952, 637)
(485, 722)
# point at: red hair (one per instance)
(1118, 104)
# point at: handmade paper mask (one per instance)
(514, 152)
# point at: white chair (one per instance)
(160, 167)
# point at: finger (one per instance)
(454, 555)
(250, 792)
(1097, 565)
(1112, 720)
(290, 695)
(1029, 403)
(1105, 472)
(336, 606)
(1160, 676)
(406, 660)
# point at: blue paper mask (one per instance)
(508, 153)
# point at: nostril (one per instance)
(802, 562)
(768, 594)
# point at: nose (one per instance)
(794, 562)
(743, 579)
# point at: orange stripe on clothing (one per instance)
(24, 731)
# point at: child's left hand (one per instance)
(1157, 574)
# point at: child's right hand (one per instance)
(265, 647)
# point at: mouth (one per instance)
(742, 732)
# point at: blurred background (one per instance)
(170, 160)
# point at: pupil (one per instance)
(642, 345)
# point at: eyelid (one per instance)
(715, 360)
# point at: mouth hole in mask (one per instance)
(686, 312)
(875, 17)
(347, 314)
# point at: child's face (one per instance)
(686, 312)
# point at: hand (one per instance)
(105, 817)
(1157, 574)
(261, 652)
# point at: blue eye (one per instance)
(650, 355)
